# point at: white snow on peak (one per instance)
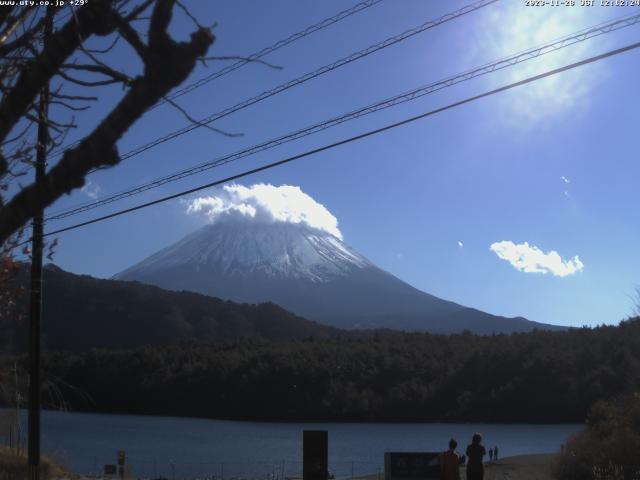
(279, 250)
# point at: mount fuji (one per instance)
(309, 272)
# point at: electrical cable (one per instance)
(502, 63)
(304, 78)
(350, 139)
(253, 57)
(272, 48)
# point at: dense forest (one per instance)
(529, 377)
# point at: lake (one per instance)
(194, 447)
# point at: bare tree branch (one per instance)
(188, 14)
(5, 13)
(86, 83)
(74, 97)
(108, 48)
(69, 106)
(92, 19)
(138, 10)
(19, 135)
(199, 123)
(102, 69)
(167, 64)
(12, 27)
(131, 36)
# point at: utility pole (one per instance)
(35, 310)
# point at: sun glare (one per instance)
(514, 29)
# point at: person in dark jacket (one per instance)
(475, 453)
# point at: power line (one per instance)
(502, 63)
(255, 56)
(408, 96)
(272, 48)
(309, 76)
(327, 22)
(353, 138)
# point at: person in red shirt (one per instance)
(449, 462)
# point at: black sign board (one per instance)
(109, 469)
(411, 465)
(315, 457)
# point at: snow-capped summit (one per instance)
(281, 250)
(308, 271)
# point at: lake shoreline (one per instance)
(303, 420)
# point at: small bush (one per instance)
(14, 466)
(608, 448)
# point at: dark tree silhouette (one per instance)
(28, 65)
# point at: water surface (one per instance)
(193, 447)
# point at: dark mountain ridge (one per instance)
(81, 312)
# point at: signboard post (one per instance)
(315, 458)
(121, 469)
(121, 461)
(411, 465)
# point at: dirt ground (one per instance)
(522, 467)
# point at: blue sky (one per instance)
(553, 164)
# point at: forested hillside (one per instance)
(529, 377)
(82, 312)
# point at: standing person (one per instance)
(495, 453)
(449, 462)
(491, 454)
(475, 453)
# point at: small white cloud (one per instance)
(460, 244)
(91, 190)
(400, 256)
(267, 204)
(530, 259)
(566, 194)
(565, 179)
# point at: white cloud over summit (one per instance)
(265, 203)
(530, 259)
